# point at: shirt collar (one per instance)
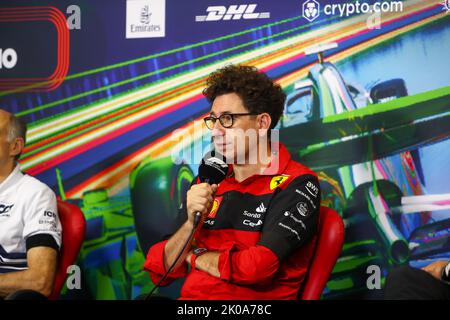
(279, 162)
(13, 178)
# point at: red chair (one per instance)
(328, 247)
(73, 228)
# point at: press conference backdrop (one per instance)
(104, 84)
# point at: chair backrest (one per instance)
(73, 229)
(328, 247)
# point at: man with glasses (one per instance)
(258, 227)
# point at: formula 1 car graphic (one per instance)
(366, 131)
(110, 259)
(355, 137)
(364, 147)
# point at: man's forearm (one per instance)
(208, 262)
(14, 281)
(176, 243)
(249, 266)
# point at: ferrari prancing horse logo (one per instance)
(277, 181)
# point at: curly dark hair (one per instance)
(257, 91)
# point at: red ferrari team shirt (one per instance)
(264, 228)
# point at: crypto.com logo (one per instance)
(233, 12)
(311, 10)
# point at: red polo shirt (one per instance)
(264, 228)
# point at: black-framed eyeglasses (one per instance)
(225, 119)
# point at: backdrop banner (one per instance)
(111, 91)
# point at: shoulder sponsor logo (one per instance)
(307, 197)
(145, 19)
(49, 214)
(312, 189)
(232, 12)
(290, 215)
(277, 181)
(49, 219)
(290, 229)
(50, 223)
(251, 223)
(261, 208)
(302, 208)
(210, 222)
(5, 209)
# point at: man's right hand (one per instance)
(200, 198)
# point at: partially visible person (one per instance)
(30, 230)
(429, 283)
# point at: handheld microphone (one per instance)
(212, 170)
